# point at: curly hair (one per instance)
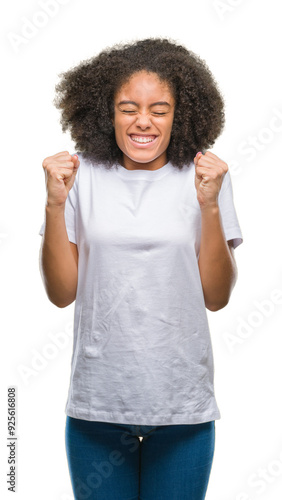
(85, 96)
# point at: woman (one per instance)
(140, 231)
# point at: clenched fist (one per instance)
(60, 171)
(210, 172)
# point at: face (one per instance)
(144, 111)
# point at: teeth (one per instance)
(142, 139)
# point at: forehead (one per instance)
(144, 84)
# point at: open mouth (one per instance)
(143, 140)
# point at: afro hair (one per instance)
(85, 96)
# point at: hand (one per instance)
(60, 171)
(210, 171)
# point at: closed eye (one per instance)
(131, 111)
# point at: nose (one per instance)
(143, 121)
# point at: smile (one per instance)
(142, 140)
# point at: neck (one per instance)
(130, 164)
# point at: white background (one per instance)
(241, 42)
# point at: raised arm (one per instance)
(217, 264)
(58, 256)
(216, 261)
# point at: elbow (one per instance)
(61, 303)
(60, 298)
(216, 306)
(219, 303)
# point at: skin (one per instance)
(216, 261)
(59, 257)
(144, 118)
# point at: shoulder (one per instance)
(88, 166)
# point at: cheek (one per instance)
(121, 126)
(117, 129)
(169, 130)
(120, 136)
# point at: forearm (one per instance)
(57, 262)
(217, 267)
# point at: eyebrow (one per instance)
(159, 103)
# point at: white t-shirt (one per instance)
(142, 352)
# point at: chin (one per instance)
(142, 158)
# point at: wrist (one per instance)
(211, 208)
(54, 208)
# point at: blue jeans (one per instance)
(109, 462)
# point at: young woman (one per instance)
(140, 230)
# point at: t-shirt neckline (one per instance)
(150, 175)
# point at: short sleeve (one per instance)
(70, 213)
(228, 214)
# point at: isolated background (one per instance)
(241, 42)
